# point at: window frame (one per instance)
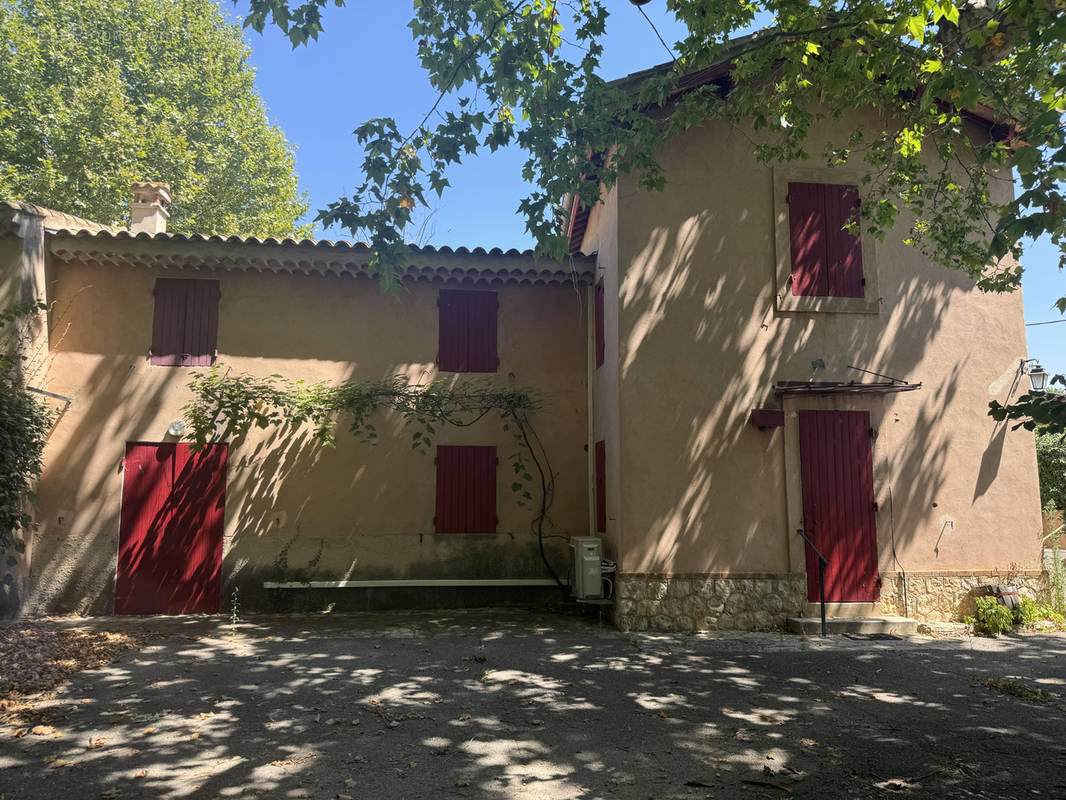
(207, 289)
(444, 364)
(785, 300)
(455, 457)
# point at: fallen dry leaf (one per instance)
(59, 762)
(95, 744)
(664, 715)
(19, 733)
(36, 656)
(461, 784)
(142, 774)
(194, 736)
(464, 717)
(42, 730)
(349, 783)
(147, 731)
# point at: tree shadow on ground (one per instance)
(516, 704)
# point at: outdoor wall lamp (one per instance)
(1037, 374)
(177, 427)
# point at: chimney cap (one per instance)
(151, 192)
(148, 211)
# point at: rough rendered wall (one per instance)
(702, 339)
(294, 510)
(602, 238)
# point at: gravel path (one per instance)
(512, 704)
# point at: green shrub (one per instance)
(992, 618)
(1051, 461)
(1027, 612)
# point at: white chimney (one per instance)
(148, 211)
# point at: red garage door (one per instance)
(170, 538)
(838, 503)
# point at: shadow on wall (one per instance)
(704, 346)
(300, 511)
(74, 549)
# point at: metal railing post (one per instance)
(821, 589)
(822, 563)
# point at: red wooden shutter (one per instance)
(201, 323)
(600, 340)
(168, 323)
(484, 309)
(843, 249)
(601, 487)
(807, 227)
(467, 340)
(466, 489)
(838, 503)
(451, 337)
(170, 534)
(185, 325)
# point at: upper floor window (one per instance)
(826, 259)
(821, 266)
(185, 325)
(467, 333)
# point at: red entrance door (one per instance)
(838, 503)
(170, 537)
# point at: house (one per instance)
(724, 370)
(129, 519)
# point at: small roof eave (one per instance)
(782, 388)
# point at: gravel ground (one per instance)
(512, 704)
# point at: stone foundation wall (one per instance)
(706, 603)
(949, 598)
(762, 602)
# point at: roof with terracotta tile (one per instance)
(459, 265)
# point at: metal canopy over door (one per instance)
(170, 537)
(838, 503)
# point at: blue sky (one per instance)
(365, 66)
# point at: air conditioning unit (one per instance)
(586, 555)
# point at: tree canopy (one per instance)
(965, 91)
(97, 94)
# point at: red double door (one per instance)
(839, 515)
(170, 537)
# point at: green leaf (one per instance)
(916, 28)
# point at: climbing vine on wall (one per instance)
(24, 425)
(226, 406)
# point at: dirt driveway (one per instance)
(512, 704)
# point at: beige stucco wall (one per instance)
(602, 238)
(295, 510)
(701, 341)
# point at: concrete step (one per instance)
(865, 610)
(882, 624)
